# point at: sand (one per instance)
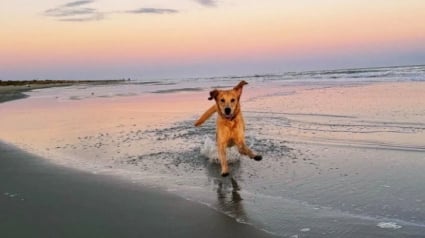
(339, 160)
(38, 199)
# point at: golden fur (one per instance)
(230, 124)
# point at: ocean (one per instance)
(343, 150)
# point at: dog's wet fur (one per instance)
(230, 129)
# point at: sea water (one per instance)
(327, 170)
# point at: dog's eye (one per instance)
(233, 100)
(222, 100)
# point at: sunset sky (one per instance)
(105, 39)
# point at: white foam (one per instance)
(389, 225)
(209, 150)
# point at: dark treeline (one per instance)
(49, 81)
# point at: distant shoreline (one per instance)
(13, 90)
(51, 81)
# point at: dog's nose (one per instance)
(227, 110)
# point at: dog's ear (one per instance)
(240, 85)
(238, 88)
(213, 94)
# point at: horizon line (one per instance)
(224, 76)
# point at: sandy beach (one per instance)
(341, 158)
(39, 199)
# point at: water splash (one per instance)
(209, 150)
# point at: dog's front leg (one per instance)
(223, 158)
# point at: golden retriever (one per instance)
(230, 129)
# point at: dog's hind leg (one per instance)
(244, 150)
(206, 115)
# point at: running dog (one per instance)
(230, 129)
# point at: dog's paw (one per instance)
(258, 157)
(224, 174)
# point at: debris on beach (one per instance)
(388, 225)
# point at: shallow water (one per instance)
(343, 156)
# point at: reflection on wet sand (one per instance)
(229, 199)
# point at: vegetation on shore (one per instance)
(49, 81)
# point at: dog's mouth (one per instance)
(228, 116)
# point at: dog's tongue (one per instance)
(228, 116)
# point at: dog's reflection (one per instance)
(228, 196)
(225, 194)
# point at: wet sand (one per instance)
(38, 199)
(339, 160)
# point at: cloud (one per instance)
(75, 11)
(66, 12)
(77, 3)
(96, 17)
(207, 3)
(153, 11)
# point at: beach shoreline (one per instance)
(39, 199)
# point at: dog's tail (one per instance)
(206, 115)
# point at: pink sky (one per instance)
(102, 39)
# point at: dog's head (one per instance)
(228, 100)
